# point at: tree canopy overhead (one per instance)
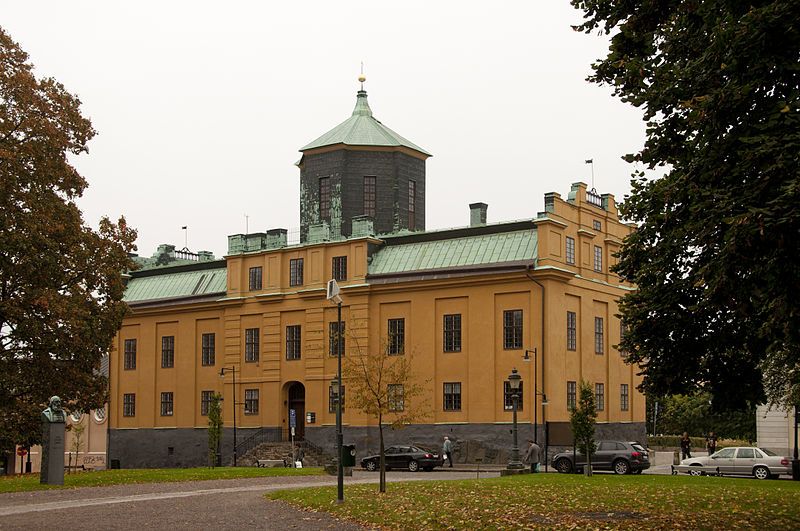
(61, 286)
(716, 256)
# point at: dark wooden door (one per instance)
(297, 401)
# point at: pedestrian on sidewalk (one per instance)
(533, 456)
(686, 446)
(711, 443)
(447, 450)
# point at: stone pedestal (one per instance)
(52, 453)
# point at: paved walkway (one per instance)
(222, 504)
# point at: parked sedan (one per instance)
(410, 457)
(618, 456)
(743, 461)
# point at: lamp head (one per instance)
(514, 379)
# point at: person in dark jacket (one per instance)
(711, 443)
(686, 446)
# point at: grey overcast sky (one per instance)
(202, 106)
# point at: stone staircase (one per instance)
(283, 450)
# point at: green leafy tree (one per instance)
(61, 285)
(582, 419)
(716, 257)
(694, 414)
(214, 428)
(386, 388)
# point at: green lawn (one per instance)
(149, 475)
(547, 500)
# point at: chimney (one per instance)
(205, 256)
(477, 214)
(362, 226)
(319, 232)
(276, 238)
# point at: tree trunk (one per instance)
(383, 456)
(588, 461)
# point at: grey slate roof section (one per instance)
(178, 284)
(465, 252)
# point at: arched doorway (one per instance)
(297, 402)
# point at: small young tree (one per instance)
(582, 418)
(78, 428)
(384, 386)
(214, 428)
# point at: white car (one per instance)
(743, 461)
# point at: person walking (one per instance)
(447, 450)
(711, 443)
(686, 446)
(533, 455)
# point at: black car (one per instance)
(617, 456)
(410, 457)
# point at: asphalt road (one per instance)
(224, 504)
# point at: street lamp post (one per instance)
(232, 370)
(796, 457)
(514, 380)
(333, 296)
(528, 357)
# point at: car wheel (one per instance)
(372, 466)
(622, 467)
(564, 466)
(695, 472)
(761, 472)
(413, 466)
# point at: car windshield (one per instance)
(768, 452)
(418, 449)
(638, 447)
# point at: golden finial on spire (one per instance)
(362, 77)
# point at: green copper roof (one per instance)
(470, 251)
(176, 285)
(362, 129)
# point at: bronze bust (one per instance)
(54, 413)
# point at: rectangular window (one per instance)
(130, 354)
(599, 341)
(324, 198)
(208, 348)
(395, 397)
(452, 333)
(452, 396)
(339, 268)
(251, 401)
(596, 225)
(129, 405)
(623, 397)
(598, 258)
(600, 396)
(332, 399)
(369, 196)
(333, 337)
(167, 352)
(296, 272)
(166, 404)
(397, 336)
(512, 329)
(205, 402)
(251, 344)
(572, 331)
(412, 205)
(572, 395)
(293, 342)
(255, 278)
(623, 329)
(570, 250)
(508, 397)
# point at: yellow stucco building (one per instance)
(465, 303)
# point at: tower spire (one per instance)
(362, 77)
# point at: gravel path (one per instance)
(222, 504)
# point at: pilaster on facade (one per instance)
(314, 342)
(357, 328)
(271, 336)
(233, 341)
